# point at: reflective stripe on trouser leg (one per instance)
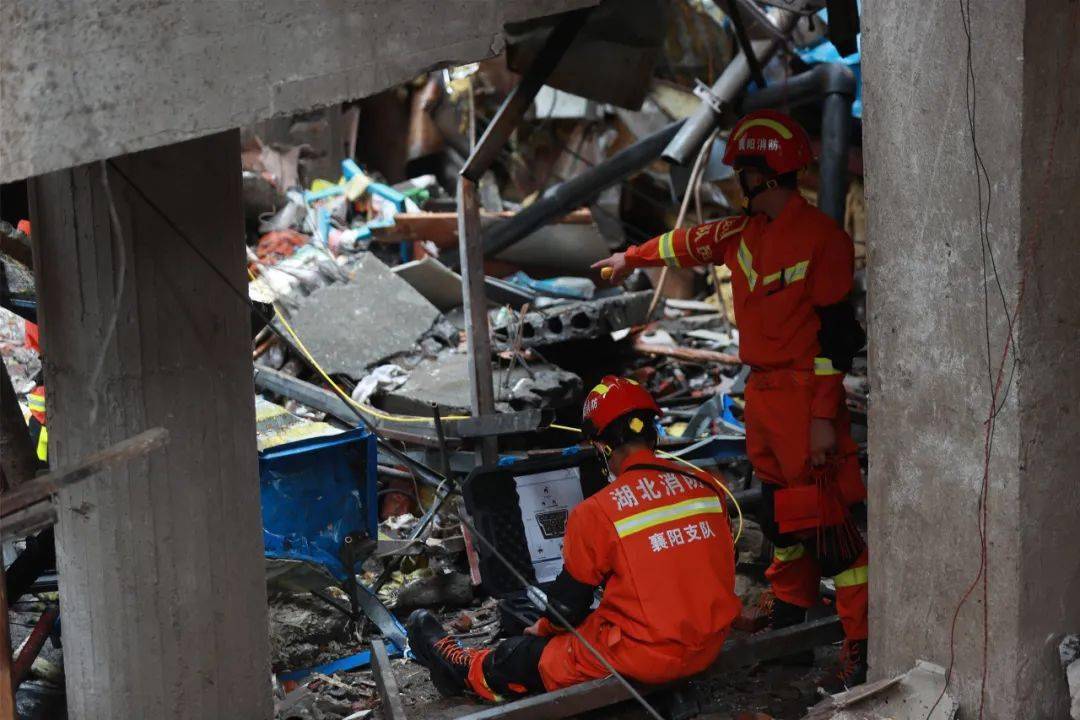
(794, 575)
(852, 598)
(43, 444)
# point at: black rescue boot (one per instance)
(850, 671)
(781, 615)
(444, 656)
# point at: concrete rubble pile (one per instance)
(352, 254)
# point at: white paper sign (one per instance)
(546, 500)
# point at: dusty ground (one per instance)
(782, 692)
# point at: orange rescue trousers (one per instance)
(805, 511)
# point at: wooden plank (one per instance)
(559, 704)
(392, 707)
(441, 227)
(43, 487)
(759, 648)
(687, 354)
(28, 521)
(608, 691)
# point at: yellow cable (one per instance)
(375, 412)
(738, 508)
(676, 458)
(359, 407)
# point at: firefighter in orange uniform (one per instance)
(792, 268)
(658, 542)
(39, 431)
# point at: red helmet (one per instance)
(771, 138)
(610, 400)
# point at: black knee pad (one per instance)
(515, 664)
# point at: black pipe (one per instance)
(687, 144)
(834, 84)
(810, 86)
(567, 196)
(744, 43)
(833, 161)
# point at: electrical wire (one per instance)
(472, 528)
(1031, 247)
(696, 174)
(359, 407)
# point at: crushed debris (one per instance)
(353, 255)
(341, 331)
(918, 694)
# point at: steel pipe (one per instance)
(567, 196)
(686, 145)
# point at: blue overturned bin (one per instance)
(315, 492)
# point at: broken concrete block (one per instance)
(352, 326)
(436, 282)
(572, 321)
(445, 380)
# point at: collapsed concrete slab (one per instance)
(350, 327)
(133, 75)
(445, 380)
(572, 321)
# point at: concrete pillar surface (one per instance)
(162, 587)
(933, 309)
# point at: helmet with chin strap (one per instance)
(614, 398)
(770, 142)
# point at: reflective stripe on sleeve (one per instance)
(796, 272)
(43, 445)
(746, 262)
(824, 366)
(666, 247)
(790, 274)
(789, 554)
(851, 577)
(667, 513)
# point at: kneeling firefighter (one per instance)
(657, 540)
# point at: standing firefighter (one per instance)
(792, 271)
(656, 539)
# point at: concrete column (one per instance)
(930, 365)
(162, 589)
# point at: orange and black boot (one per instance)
(851, 669)
(434, 648)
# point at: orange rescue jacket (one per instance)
(781, 271)
(659, 542)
